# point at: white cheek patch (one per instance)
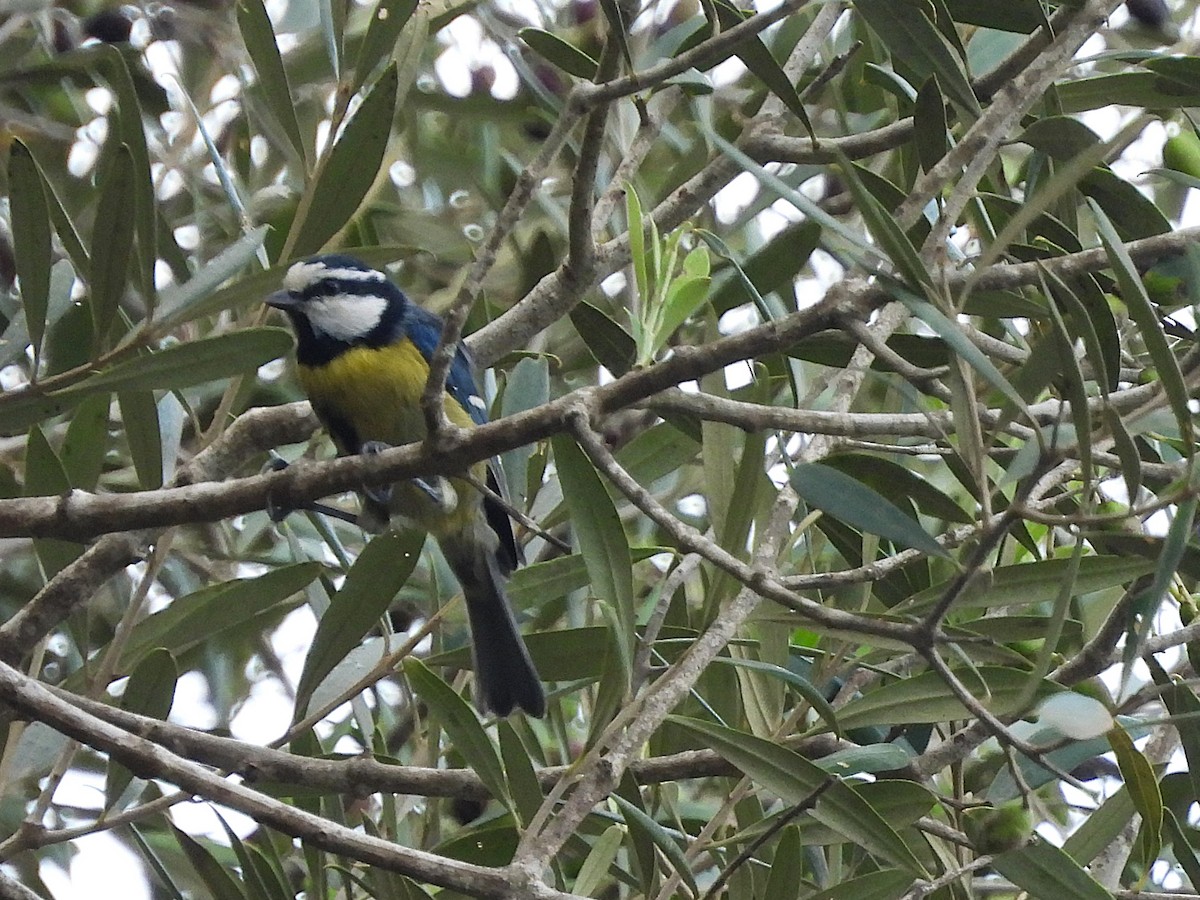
(345, 317)
(476, 401)
(303, 274)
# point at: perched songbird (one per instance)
(363, 353)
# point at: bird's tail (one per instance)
(505, 677)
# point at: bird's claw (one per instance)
(440, 492)
(381, 494)
(276, 511)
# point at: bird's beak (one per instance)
(284, 300)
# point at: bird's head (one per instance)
(339, 300)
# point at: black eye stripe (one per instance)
(329, 287)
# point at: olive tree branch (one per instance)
(150, 760)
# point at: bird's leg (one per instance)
(439, 491)
(381, 495)
(277, 512)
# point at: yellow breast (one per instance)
(378, 393)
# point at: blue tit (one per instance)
(363, 351)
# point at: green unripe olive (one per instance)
(995, 829)
(1181, 152)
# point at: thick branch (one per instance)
(149, 760)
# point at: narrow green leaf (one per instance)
(1019, 16)
(1075, 391)
(618, 29)
(1127, 453)
(213, 610)
(534, 583)
(256, 888)
(523, 784)
(600, 536)
(872, 759)
(1100, 827)
(1138, 775)
(612, 688)
(1184, 707)
(350, 168)
(787, 867)
(758, 59)
(852, 502)
(150, 857)
(112, 243)
(460, 722)
(929, 123)
(183, 365)
(1133, 214)
(637, 818)
(926, 698)
(176, 367)
(370, 586)
(44, 473)
(150, 692)
(30, 219)
(15, 339)
(139, 420)
(684, 298)
(637, 241)
(886, 884)
(959, 343)
(1182, 848)
(640, 846)
(265, 862)
(86, 442)
(595, 866)
(883, 226)
(388, 19)
(912, 38)
(46, 477)
(67, 232)
(771, 268)
(1167, 567)
(1179, 178)
(803, 686)
(658, 452)
(537, 582)
(559, 52)
(175, 303)
(735, 499)
(1060, 137)
(1091, 320)
(212, 874)
(527, 387)
(130, 108)
(788, 774)
(1046, 871)
(259, 37)
(1142, 311)
(331, 21)
(608, 343)
(894, 480)
(1038, 582)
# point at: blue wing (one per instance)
(424, 329)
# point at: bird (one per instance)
(362, 354)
